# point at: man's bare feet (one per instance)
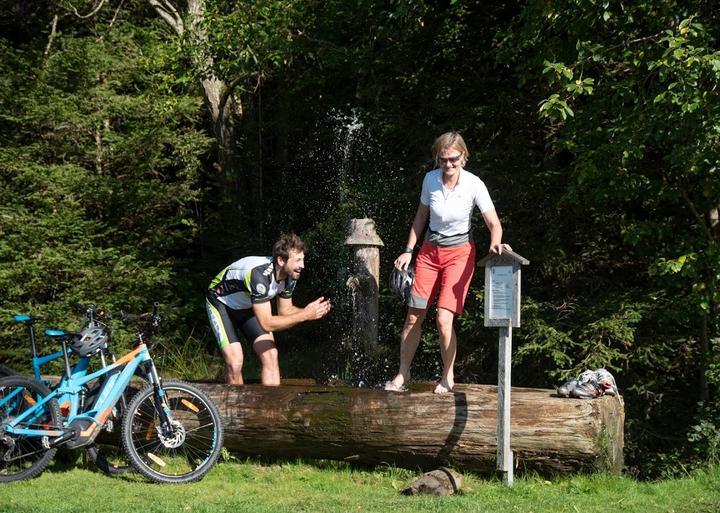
(444, 387)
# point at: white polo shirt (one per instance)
(451, 209)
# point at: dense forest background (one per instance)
(146, 144)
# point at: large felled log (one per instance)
(419, 428)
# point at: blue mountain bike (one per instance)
(94, 319)
(171, 431)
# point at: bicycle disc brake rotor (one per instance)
(176, 438)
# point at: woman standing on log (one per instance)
(446, 261)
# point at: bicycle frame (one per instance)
(77, 369)
(38, 361)
(88, 423)
(171, 431)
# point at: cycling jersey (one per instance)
(248, 281)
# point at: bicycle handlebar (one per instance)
(95, 314)
(153, 319)
(92, 312)
(124, 316)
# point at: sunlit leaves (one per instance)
(555, 108)
(638, 148)
(251, 39)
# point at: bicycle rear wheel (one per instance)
(6, 371)
(181, 453)
(24, 457)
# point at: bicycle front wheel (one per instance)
(178, 453)
(24, 457)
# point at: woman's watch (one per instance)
(408, 249)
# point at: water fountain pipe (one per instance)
(364, 283)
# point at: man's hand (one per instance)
(317, 309)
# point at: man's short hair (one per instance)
(287, 242)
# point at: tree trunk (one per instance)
(222, 104)
(421, 429)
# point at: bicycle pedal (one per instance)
(67, 436)
(8, 442)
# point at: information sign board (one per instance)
(501, 299)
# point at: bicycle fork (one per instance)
(167, 426)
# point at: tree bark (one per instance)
(420, 429)
(223, 106)
(219, 99)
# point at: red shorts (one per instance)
(448, 268)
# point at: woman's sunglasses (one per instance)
(452, 160)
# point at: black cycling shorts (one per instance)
(226, 321)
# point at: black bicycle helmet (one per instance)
(91, 339)
(401, 282)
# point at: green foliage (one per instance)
(704, 435)
(594, 124)
(627, 94)
(99, 169)
(189, 360)
(250, 40)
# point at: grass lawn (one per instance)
(251, 486)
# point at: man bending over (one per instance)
(239, 299)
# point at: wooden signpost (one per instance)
(502, 310)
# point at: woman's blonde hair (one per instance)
(450, 140)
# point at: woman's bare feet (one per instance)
(397, 384)
(444, 387)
